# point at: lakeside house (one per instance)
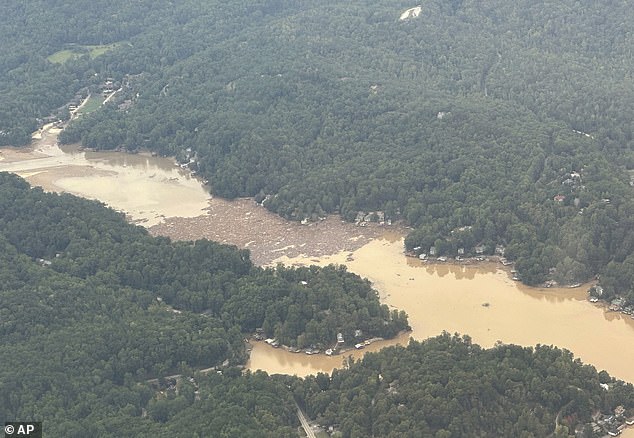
(272, 342)
(480, 249)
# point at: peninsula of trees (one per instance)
(92, 305)
(106, 331)
(478, 123)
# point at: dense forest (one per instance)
(478, 123)
(83, 240)
(105, 331)
(92, 305)
(449, 387)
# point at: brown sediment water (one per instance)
(146, 188)
(481, 301)
(281, 361)
(156, 193)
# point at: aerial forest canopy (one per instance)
(106, 331)
(477, 122)
(93, 306)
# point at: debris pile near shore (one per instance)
(244, 223)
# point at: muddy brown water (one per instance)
(147, 188)
(436, 297)
(481, 301)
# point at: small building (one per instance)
(44, 262)
(480, 249)
(441, 114)
(358, 333)
(460, 251)
(559, 198)
(618, 302)
(340, 339)
(596, 290)
(272, 342)
(432, 251)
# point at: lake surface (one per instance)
(146, 188)
(448, 297)
(481, 301)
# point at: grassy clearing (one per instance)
(93, 104)
(77, 51)
(62, 56)
(95, 51)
